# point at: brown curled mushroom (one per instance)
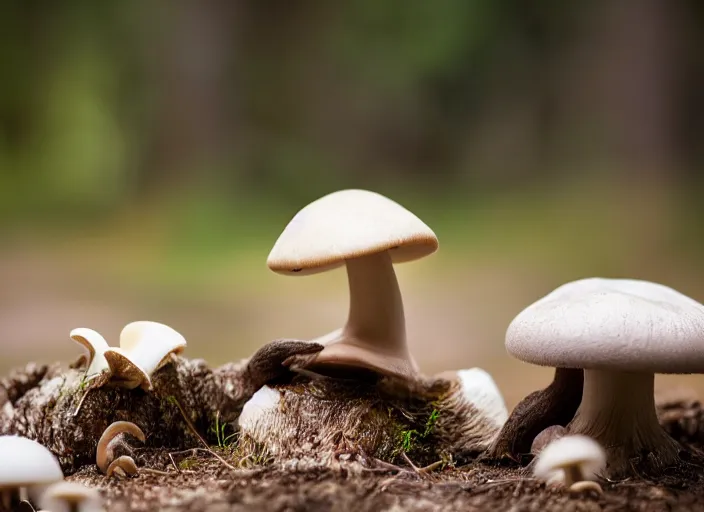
(109, 440)
(123, 467)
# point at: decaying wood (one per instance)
(39, 401)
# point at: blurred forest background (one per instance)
(152, 151)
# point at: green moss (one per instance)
(188, 464)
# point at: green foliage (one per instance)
(408, 438)
(224, 440)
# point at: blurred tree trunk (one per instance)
(192, 125)
(624, 79)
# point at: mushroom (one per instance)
(123, 467)
(144, 348)
(480, 390)
(96, 345)
(105, 453)
(621, 332)
(24, 463)
(571, 460)
(367, 233)
(71, 497)
(546, 437)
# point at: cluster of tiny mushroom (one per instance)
(619, 331)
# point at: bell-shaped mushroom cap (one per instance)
(62, 496)
(95, 344)
(24, 463)
(349, 224)
(611, 324)
(571, 451)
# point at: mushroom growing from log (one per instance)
(620, 332)
(367, 233)
(144, 348)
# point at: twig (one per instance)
(200, 438)
(424, 470)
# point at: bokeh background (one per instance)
(152, 151)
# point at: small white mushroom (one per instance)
(105, 453)
(144, 348)
(480, 389)
(258, 412)
(569, 460)
(24, 463)
(96, 345)
(71, 497)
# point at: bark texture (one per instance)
(39, 402)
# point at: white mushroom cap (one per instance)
(265, 400)
(149, 343)
(257, 414)
(144, 347)
(24, 463)
(60, 496)
(95, 344)
(567, 452)
(348, 224)
(480, 389)
(611, 324)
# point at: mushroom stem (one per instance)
(618, 411)
(376, 308)
(573, 474)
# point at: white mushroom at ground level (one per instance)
(70, 496)
(570, 459)
(480, 389)
(24, 463)
(256, 416)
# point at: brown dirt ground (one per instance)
(209, 486)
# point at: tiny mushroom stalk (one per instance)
(105, 453)
(621, 332)
(367, 233)
(571, 460)
(24, 464)
(71, 497)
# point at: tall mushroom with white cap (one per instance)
(367, 233)
(621, 332)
